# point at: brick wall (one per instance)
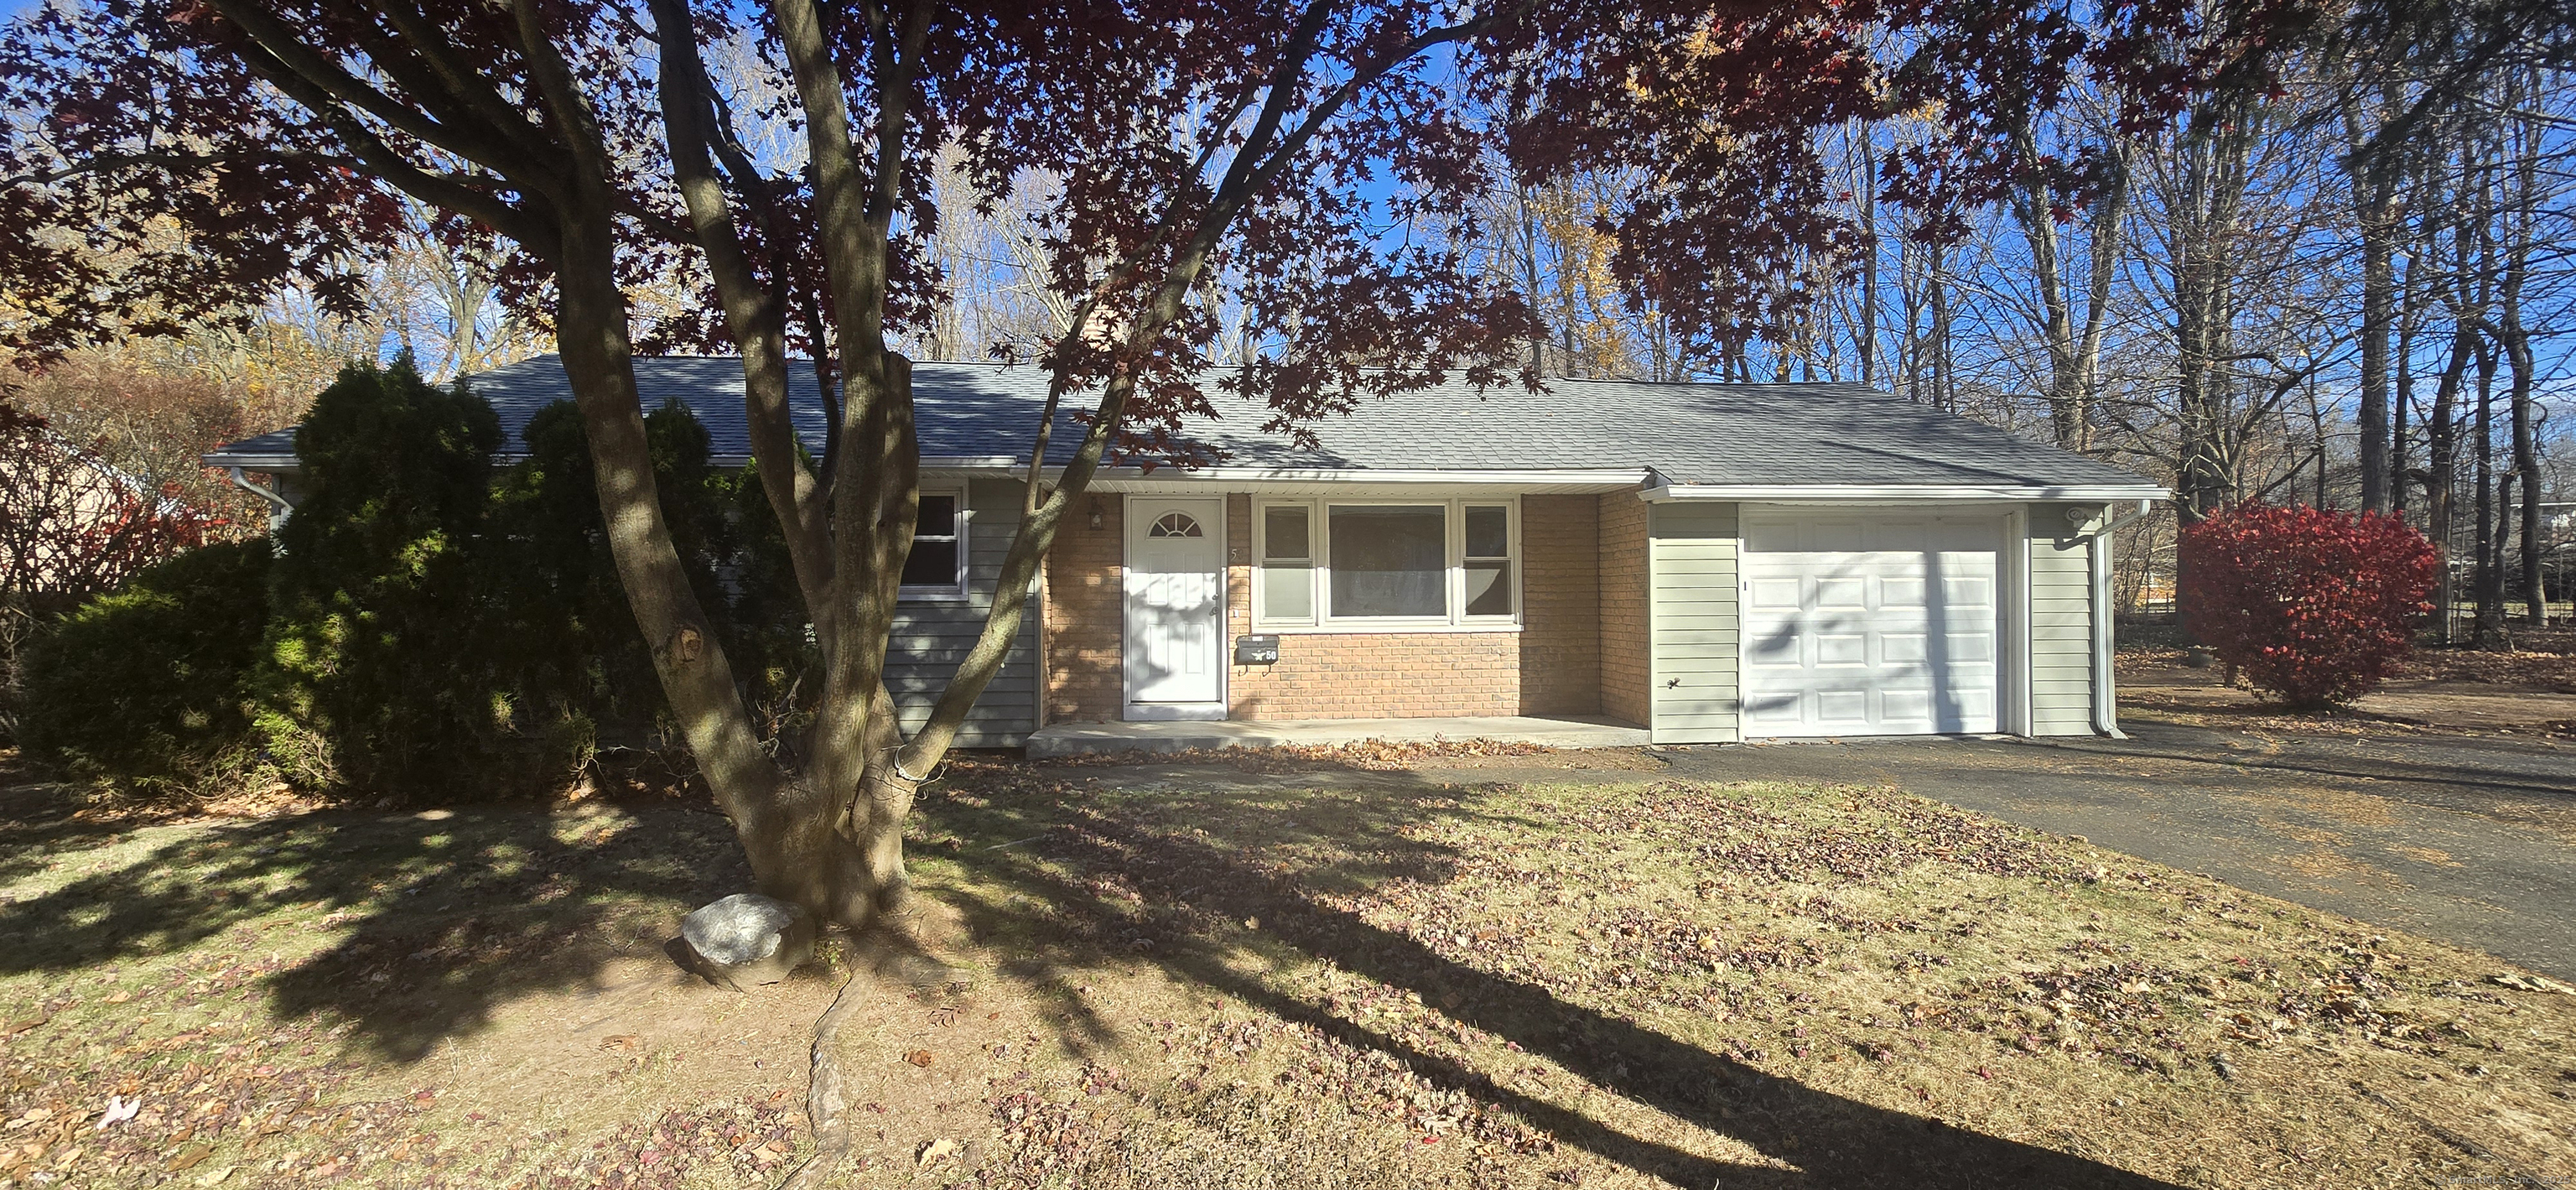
(1626, 639)
(1086, 617)
(1553, 666)
(1560, 640)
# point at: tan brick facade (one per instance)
(1626, 637)
(1085, 616)
(1553, 666)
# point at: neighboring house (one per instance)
(73, 523)
(1712, 562)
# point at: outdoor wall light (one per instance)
(1095, 514)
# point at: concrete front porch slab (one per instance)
(1074, 739)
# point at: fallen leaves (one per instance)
(2530, 983)
(622, 1041)
(920, 1058)
(936, 1150)
(189, 1157)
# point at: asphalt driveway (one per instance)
(2466, 838)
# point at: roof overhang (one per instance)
(249, 461)
(1290, 481)
(1803, 493)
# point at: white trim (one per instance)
(1383, 628)
(2018, 713)
(250, 462)
(1611, 476)
(1320, 568)
(1892, 493)
(962, 590)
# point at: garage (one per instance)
(1870, 622)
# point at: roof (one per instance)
(1688, 434)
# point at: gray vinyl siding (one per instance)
(2061, 627)
(931, 637)
(1690, 550)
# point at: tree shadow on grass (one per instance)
(447, 915)
(1160, 872)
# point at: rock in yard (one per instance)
(747, 939)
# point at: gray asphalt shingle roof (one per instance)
(1724, 434)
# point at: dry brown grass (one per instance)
(1305, 975)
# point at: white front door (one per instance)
(1869, 622)
(1175, 608)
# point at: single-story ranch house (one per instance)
(1710, 562)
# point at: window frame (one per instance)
(956, 592)
(1319, 568)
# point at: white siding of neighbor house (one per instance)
(2061, 627)
(1691, 553)
(930, 637)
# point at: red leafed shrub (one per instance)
(2312, 605)
(71, 525)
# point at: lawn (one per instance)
(1293, 971)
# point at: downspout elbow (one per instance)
(278, 509)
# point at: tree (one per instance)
(1287, 147)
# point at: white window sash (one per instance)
(1319, 570)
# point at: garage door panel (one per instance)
(1842, 648)
(1847, 708)
(1870, 625)
(1785, 593)
(1774, 710)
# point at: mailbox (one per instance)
(1256, 650)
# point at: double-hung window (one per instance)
(936, 569)
(1393, 565)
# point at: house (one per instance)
(71, 522)
(1709, 562)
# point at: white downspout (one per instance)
(2106, 706)
(278, 506)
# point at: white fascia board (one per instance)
(1896, 493)
(251, 462)
(1254, 478)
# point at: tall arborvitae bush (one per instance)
(584, 654)
(430, 629)
(2311, 605)
(383, 672)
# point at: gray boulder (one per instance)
(747, 939)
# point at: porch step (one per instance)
(1074, 739)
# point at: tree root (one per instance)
(826, 1105)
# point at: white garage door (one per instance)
(1864, 622)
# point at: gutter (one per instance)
(2106, 707)
(1784, 493)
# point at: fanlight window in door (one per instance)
(1176, 524)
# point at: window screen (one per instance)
(1390, 560)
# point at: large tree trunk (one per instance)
(2487, 576)
(2374, 199)
(2441, 476)
(2074, 354)
(2215, 151)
